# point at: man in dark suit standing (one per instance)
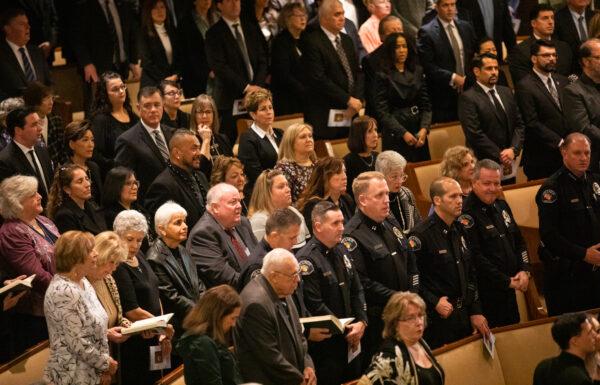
(572, 27)
(446, 45)
(222, 240)
(490, 18)
(542, 24)
(268, 336)
(143, 148)
(539, 96)
(237, 52)
(181, 181)
(20, 62)
(581, 99)
(335, 84)
(23, 155)
(490, 117)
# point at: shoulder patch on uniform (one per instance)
(349, 243)
(306, 267)
(414, 243)
(466, 220)
(255, 274)
(596, 188)
(549, 196)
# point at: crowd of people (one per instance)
(123, 217)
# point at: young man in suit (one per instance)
(143, 148)
(490, 117)
(446, 45)
(334, 78)
(237, 53)
(572, 27)
(20, 62)
(539, 96)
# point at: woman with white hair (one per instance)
(27, 247)
(138, 290)
(179, 285)
(402, 201)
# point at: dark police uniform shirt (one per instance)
(380, 254)
(496, 243)
(445, 263)
(331, 284)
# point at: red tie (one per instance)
(241, 251)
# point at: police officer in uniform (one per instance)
(448, 279)
(379, 252)
(497, 247)
(569, 211)
(332, 287)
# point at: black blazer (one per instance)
(565, 30)
(213, 252)
(178, 281)
(192, 53)
(155, 66)
(519, 59)
(437, 59)
(226, 60)
(136, 149)
(89, 35)
(256, 155)
(12, 76)
(328, 86)
(14, 162)
(69, 216)
(545, 125)
(482, 126)
(288, 76)
(169, 186)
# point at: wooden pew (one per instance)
(173, 378)
(420, 175)
(28, 368)
(443, 136)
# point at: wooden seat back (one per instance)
(521, 199)
(28, 368)
(174, 378)
(420, 175)
(443, 136)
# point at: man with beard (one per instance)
(181, 181)
(490, 117)
(539, 95)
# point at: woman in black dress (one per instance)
(172, 115)
(362, 142)
(401, 101)
(111, 116)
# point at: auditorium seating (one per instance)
(28, 368)
(420, 175)
(443, 136)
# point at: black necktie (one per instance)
(36, 169)
(29, 74)
(582, 33)
(499, 109)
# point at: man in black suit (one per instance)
(43, 19)
(104, 37)
(181, 181)
(542, 24)
(541, 107)
(268, 336)
(221, 241)
(581, 99)
(335, 84)
(23, 155)
(490, 18)
(490, 117)
(237, 53)
(572, 27)
(446, 45)
(20, 62)
(143, 148)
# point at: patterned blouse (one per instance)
(296, 175)
(77, 329)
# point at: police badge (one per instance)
(350, 243)
(306, 267)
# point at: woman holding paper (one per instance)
(403, 346)
(138, 290)
(77, 322)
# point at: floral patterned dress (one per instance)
(296, 175)
(77, 329)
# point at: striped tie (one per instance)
(160, 143)
(29, 74)
(345, 63)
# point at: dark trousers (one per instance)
(570, 286)
(28, 330)
(331, 361)
(499, 307)
(442, 331)
(372, 338)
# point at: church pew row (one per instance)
(28, 368)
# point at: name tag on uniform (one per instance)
(327, 274)
(489, 227)
(378, 246)
(575, 200)
(443, 251)
(394, 253)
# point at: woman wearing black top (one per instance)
(172, 115)
(111, 116)
(138, 291)
(401, 100)
(69, 203)
(79, 148)
(362, 142)
(158, 45)
(287, 72)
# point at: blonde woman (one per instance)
(459, 164)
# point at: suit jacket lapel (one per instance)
(9, 53)
(544, 89)
(22, 159)
(489, 102)
(172, 262)
(145, 136)
(329, 46)
(45, 161)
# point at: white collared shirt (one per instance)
(262, 133)
(330, 36)
(15, 49)
(161, 31)
(151, 133)
(576, 17)
(487, 90)
(37, 161)
(544, 79)
(231, 27)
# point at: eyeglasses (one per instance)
(300, 15)
(547, 55)
(204, 112)
(401, 178)
(131, 183)
(295, 275)
(413, 319)
(174, 93)
(121, 88)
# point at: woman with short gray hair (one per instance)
(27, 246)
(402, 200)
